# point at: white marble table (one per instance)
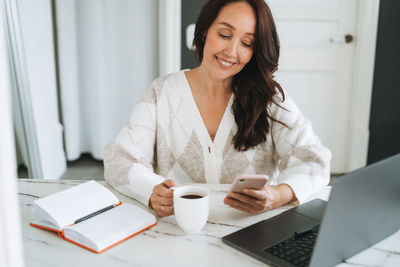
(165, 244)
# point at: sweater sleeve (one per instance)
(304, 162)
(128, 162)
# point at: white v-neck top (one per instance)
(214, 148)
(166, 138)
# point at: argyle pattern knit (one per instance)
(166, 138)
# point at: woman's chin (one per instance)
(223, 74)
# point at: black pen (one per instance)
(95, 213)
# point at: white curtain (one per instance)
(108, 55)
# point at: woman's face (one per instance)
(230, 40)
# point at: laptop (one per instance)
(363, 208)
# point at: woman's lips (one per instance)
(224, 63)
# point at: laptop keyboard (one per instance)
(296, 250)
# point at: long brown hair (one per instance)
(254, 86)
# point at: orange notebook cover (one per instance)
(90, 216)
(61, 234)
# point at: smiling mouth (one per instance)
(224, 63)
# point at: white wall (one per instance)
(108, 55)
(112, 55)
(116, 65)
(10, 227)
(36, 23)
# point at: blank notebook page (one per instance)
(76, 202)
(111, 226)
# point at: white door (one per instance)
(316, 66)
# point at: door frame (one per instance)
(25, 125)
(364, 63)
(169, 36)
(363, 70)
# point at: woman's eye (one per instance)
(223, 36)
(246, 45)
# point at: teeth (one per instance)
(225, 63)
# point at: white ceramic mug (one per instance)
(191, 213)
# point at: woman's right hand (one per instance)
(161, 200)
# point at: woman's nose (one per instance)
(231, 49)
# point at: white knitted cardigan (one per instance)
(167, 138)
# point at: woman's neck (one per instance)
(208, 84)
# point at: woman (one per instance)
(224, 118)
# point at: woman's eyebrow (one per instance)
(233, 28)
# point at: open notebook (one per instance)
(90, 216)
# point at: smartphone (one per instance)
(256, 181)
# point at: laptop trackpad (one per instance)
(292, 222)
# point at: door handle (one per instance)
(348, 38)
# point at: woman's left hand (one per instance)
(255, 201)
